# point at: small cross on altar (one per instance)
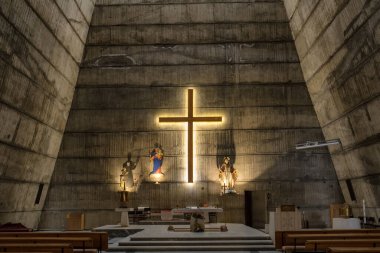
(190, 119)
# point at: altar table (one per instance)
(206, 211)
(124, 222)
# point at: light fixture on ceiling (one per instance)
(317, 144)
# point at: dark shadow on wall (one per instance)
(225, 146)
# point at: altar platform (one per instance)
(157, 238)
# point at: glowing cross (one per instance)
(190, 119)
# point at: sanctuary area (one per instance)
(189, 125)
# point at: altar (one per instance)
(124, 219)
(166, 215)
(205, 211)
(346, 223)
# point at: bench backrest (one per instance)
(77, 242)
(353, 250)
(99, 239)
(282, 239)
(31, 247)
(324, 244)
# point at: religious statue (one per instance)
(127, 182)
(227, 176)
(126, 176)
(156, 159)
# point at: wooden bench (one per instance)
(32, 247)
(99, 239)
(353, 250)
(297, 248)
(282, 237)
(29, 251)
(324, 244)
(83, 243)
(306, 237)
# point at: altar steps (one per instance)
(200, 243)
(187, 248)
(157, 238)
(205, 238)
(194, 244)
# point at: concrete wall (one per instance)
(338, 44)
(41, 46)
(140, 58)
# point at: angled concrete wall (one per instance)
(140, 58)
(41, 47)
(338, 44)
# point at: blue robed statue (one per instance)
(156, 159)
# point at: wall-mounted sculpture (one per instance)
(156, 160)
(227, 176)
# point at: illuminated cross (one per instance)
(190, 119)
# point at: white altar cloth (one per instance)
(346, 223)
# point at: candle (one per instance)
(364, 216)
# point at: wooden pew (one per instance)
(306, 237)
(29, 251)
(324, 244)
(298, 248)
(33, 247)
(282, 237)
(84, 243)
(353, 250)
(99, 239)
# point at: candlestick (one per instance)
(364, 215)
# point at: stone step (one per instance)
(190, 243)
(189, 13)
(189, 33)
(200, 238)
(193, 248)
